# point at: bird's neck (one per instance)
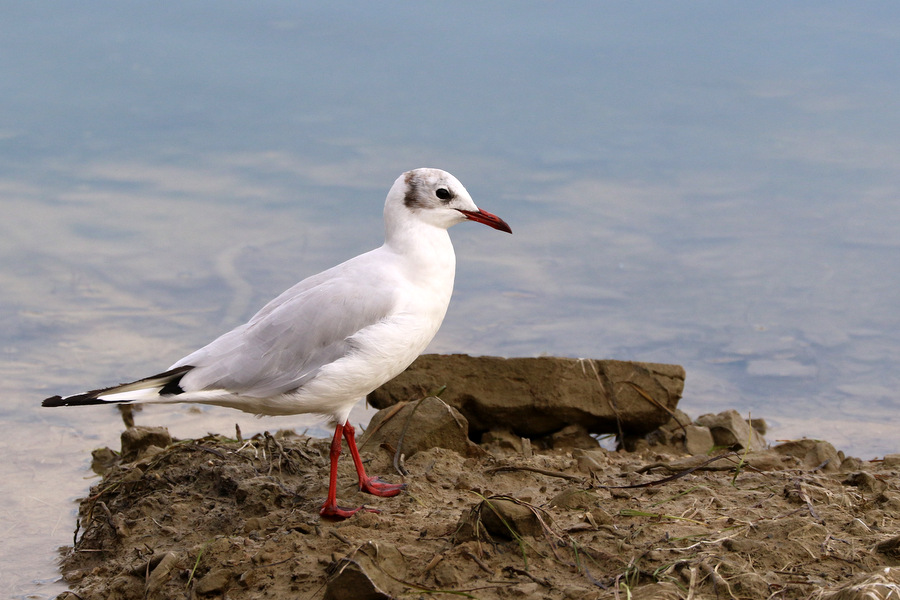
(425, 248)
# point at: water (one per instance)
(706, 184)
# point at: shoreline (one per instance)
(504, 518)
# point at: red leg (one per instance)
(330, 508)
(370, 485)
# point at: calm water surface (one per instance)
(704, 184)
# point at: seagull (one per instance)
(331, 339)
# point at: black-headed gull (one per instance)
(334, 337)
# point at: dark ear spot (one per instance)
(411, 198)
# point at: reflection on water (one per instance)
(715, 188)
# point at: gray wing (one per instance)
(291, 338)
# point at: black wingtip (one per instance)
(54, 401)
(169, 382)
(79, 400)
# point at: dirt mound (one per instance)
(231, 518)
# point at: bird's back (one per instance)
(326, 341)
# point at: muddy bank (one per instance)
(230, 518)
(509, 495)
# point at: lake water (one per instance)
(713, 185)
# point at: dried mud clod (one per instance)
(536, 397)
(232, 518)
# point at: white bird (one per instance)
(334, 337)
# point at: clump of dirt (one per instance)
(231, 518)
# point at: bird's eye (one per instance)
(443, 194)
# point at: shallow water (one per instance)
(714, 186)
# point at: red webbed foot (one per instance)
(333, 511)
(377, 487)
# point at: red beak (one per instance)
(483, 216)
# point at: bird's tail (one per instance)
(150, 389)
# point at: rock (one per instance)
(575, 498)
(501, 517)
(814, 454)
(539, 396)
(760, 426)
(866, 482)
(503, 439)
(371, 572)
(889, 547)
(680, 435)
(889, 501)
(697, 439)
(147, 454)
(730, 430)
(599, 516)
(592, 462)
(427, 423)
(891, 461)
(667, 438)
(851, 463)
(102, 460)
(446, 575)
(213, 582)
(352, 582)
(769, 460)
(136, 440)
(161, 573)
(572, 436)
